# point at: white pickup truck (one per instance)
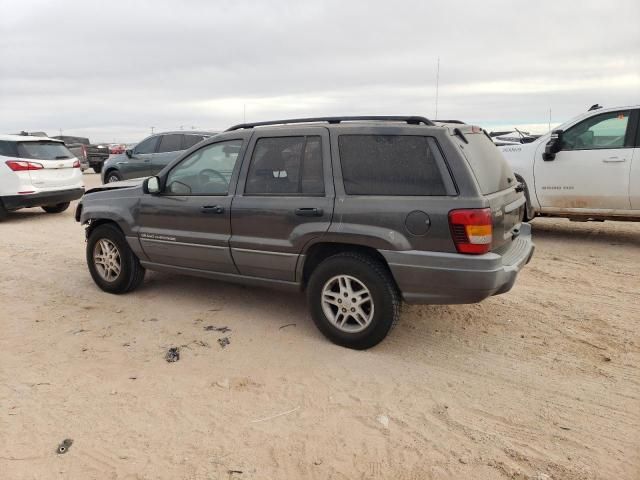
(586, 169)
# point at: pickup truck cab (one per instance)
(586, 169)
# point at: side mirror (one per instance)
(129, 152)
(554, 145)
(151, 185)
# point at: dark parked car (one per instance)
(85, 151)
(150, 155)
(361, 212)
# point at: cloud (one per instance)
(115, 69)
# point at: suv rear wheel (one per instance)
(112, 264)
(3, 211)
(57, 208)
(353, 299)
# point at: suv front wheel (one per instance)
(112, 264)
(353, 299)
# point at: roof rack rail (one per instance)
(411, 120)
(450, 121)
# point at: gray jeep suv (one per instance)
(360, 212)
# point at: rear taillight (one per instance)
(472, 230)
(76, 164)
(20, 165)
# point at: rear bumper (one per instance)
(13, 202)
(447, 278)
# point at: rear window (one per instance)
(489, 166)
(389, 165)
(43, 150)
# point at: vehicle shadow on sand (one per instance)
(613, 233)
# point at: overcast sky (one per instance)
(111, 70)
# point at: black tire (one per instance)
(97, 168)
(373, 275)
(131, 272)
(3, 211)
(112, 176)
(57, 208)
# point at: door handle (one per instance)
(212, 209)
(309, 212)
(614, 160)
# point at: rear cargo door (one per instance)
(497, 183)
(57, 162)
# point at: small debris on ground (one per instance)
(224, 341)
(64, 446)
(149, 319)
(172, 355)
(224, 383)
(287, 325)
(383, 420)
(213, 328)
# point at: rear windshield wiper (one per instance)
(61, 157)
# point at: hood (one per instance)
(134, 182)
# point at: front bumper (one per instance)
(13, 202)
(448, 278)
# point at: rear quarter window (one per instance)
(489, 166)
(389, 165)
(8, 149)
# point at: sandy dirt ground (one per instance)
(540, 383)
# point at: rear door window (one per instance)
(286, 166)
(191, 140)
(170, 143)
(389, 165)
(43, 150)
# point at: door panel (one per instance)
(175, 230)
(592, 170)
(280, 206)
(634, 182)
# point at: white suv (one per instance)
(37, 172)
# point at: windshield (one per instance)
(45, 150)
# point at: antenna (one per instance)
(549, 119)
(437, 85)
(244, 113)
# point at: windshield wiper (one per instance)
(61, 157)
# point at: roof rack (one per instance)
(412, 120)
(450, 121)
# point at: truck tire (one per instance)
(97, 168)
(112, 264)
(58, 208)
(3, 211)
(353, 300)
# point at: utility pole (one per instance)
(437, 85)
(60, 131)
(244, 113)
(549, 119)
(152, 130)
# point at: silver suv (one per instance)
(360, 212)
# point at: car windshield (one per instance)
(45, 150)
